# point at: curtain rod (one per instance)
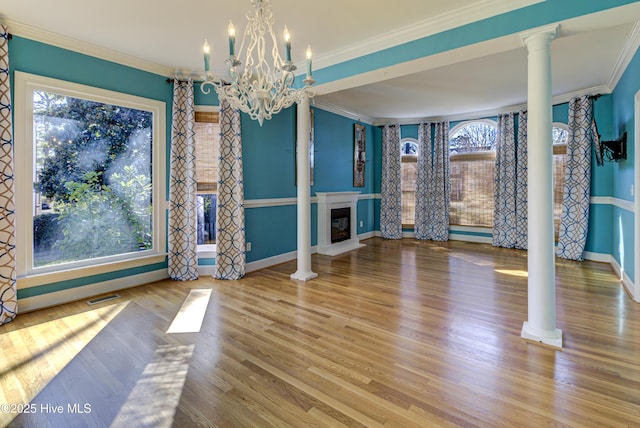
(173, 79)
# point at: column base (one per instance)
(549, 338)
(303, 276)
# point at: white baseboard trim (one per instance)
(285, 257)
(275, 260)
(630, 288)
(208, 270)
(598, 257)
(29, 304)
(366, 235)
(470, 238)
(627, 284)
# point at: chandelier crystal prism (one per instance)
(257, 86)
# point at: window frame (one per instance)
(207, 250)
(484, 154)
(558, 149)
(404, 158)
(25, 85)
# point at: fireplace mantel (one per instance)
(326, 202)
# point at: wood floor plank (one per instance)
(395, 334)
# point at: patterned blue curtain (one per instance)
(423, 175)
(8, 294)
(183, 260)
(510, 186)
(440, 185)
(230, 240)
(504, 215)
(433, 185)
(522, 219)
(577, 185)
(391, 203)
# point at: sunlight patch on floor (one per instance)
(47, 348)
(155, 397)
(514, 272)
(189, 317)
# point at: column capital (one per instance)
(545, 34)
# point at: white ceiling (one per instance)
(483, 77)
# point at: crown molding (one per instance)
(556, 100)
(430, 26)
(628, 51)
(64, 42)
(332, 108)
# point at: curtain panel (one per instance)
(433, 186)
(574, 222)
(8, 286)
(510, 195)
(522, 219)
(391, 203)
(506, 173)
(183, 260)
(230, 238)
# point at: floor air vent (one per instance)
(103, 299)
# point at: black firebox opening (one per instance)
(340, 224)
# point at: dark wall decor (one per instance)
(359, 155)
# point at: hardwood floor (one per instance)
(395, 334)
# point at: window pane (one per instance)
(207, 219)
(207, 139)
(472, 186)
(559, 160)
(92, 182)
(560, 137)
(408, 186)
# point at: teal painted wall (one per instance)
(269, 173)
(623, 110)
(269, 156)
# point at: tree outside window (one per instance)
(92, 186)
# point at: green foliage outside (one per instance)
(93, 162)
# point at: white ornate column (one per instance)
(304, 272)
(541, 324)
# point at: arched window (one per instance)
(560, 135)
(472, 154)
(409, 153)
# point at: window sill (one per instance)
(35, 280)
(207, 251)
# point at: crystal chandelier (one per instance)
(258, 87)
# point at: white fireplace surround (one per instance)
(332, 200)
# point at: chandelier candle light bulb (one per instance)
(309, 62)
(287, 44)
(232, 39)
(207, 56)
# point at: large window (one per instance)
(207, 138)
(90, 183)
(472, 151)
(409, 153)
